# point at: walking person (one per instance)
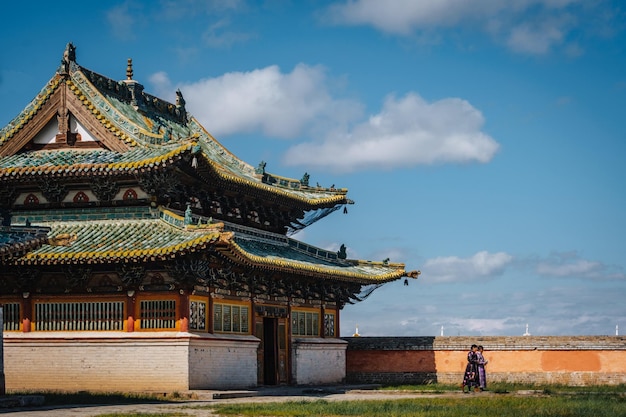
(481, 362)
(470, 378)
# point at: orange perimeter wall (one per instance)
(559, 360)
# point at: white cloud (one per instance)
(183, 9)
(219, 35)
(161, 83)
(571, 265)
(515, 21)
(480, 325)
(490, 308)
(452, 268)
(403, 16)
(122, 20)
(265, 101)
(407, 132)
(534, 39)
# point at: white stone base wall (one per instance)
(117, 361)
(318, 361)
(223, 362)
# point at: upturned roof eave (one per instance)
(119, 167)
(166, 252)
(237, 254)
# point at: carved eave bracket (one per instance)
(65, 134)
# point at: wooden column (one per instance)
(183, 311)
(27, 308)
(130, 306)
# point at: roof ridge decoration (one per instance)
(128, 90)
(186, 222)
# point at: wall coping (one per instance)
(489, 342)
(17, 337)
(318, 341)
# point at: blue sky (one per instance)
(483, 142)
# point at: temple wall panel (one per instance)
(223, 362)
(318, 361)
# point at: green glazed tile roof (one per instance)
(82, 161)
(277, 252)
(142, 234)
(113, 240)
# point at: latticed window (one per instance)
(11, 312)
(329, 324)
(231, 318)
(305, 323)
(157, 314)
(197, 315)
(97, 315)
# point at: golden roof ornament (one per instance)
(129, 69)
(63, 239)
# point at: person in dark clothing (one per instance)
(470, 378)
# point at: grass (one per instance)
(551, 401)
(505, 387)
(90, 398)
(505, 406)
(144, 415)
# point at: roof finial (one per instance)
(69, 56)
(129, 69)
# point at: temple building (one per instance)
(137, 253)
